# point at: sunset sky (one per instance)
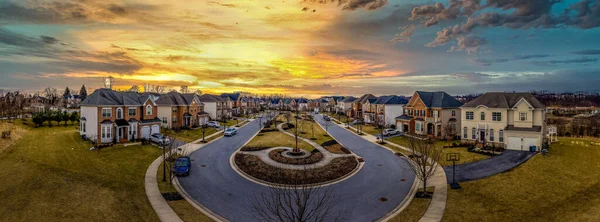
(303, 48)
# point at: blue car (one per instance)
(182, 166)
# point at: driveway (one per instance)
(219, 188)
(481, 169)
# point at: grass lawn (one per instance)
(415, 210)
(184, 209)
(563, 186)
(51, 175)
(276, 139)
(189, 135)
(465, 156)
(320, 135)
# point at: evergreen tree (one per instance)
(67, 92)
(82, 93)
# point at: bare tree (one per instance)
(296, 130)
(425, 159)
(184, 89)
(449, 131)
(297, 203)
(134, 88)
(51, 95)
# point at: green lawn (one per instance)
(465, 156)
(563, 186)
(190, 135)
(276, 139)
(320, 136)
(184, 209)
(51, 175)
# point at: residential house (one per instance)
(233, 102)
(360, 104)
(108, 116)
(384, 110)
(302, 104)
(345, 105)
(178, 110)
(215, 106)
(428, 113)
(71, 101)
(516, 121)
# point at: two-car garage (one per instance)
(522, 143)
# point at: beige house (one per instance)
(513, 120)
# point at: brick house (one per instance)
(177, 110)
(427, 113)
(108, 116)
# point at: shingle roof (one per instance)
(365, 98)
(175, 99)
(404, 117)
(438, 99)
(232, 96)
(302, 100)
(109, 97)
(348, 99)
(210, 98)
(504, 100)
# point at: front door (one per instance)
(482, 136)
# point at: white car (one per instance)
(160, 139)
(389, 132)
(230, 131)
(214, 124)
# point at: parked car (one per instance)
(182, 166)
(327, 118)
(214, 124)
(230, 131)
(160, 139)
(389, 132)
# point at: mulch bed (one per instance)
(334, 147)
(254, 148)
(255, 167)
(313, 158)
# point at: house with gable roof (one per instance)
(427, 113)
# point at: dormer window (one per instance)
(148, 110)
(523, 117)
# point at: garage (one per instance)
(521, 143)
(155, 129)
(146, 132)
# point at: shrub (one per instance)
(329, 143)
(313, 158)
(254, 148)
(345, 150)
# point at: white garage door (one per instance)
(146, 132)
(155, 129)
(515, 143)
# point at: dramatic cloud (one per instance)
(567, 61)
(48, 39)
(352, 4)
(50, 12)
(514, 14)
(488, 62)
(468, 43)
(117, 9)
(405, 35)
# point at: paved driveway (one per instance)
(481, 169)
(218, 187)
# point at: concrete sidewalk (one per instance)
(161, 207)
(437, 206)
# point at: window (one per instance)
(132, 111)
(473, 133)
(482, 115)
(164, 120)
(174, 119)
(422, 112)
(174, 109)
(465, 133)
(119, 113)
(83, 126)
(435, 113)
(106, 112)
(453, 112)
(106, 132)
(148, 110)
(496, 116)
(501, 136)
(418, 127)
(492, 135)
(469, 115)
(523, 117)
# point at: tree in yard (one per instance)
(296, 131)
(167, 151)
(83, 93)
(312, 126)
(49, 117)
(38, 119)
(449, 131)
(425, 156)
(74, 117)
(297, 203)
(65, 117)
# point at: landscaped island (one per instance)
(269, 157)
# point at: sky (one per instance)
(305, 48)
